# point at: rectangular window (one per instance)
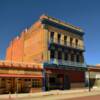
(59, 37)
(52, 36)
(72, 57)
(59, 55)
(25, 79)
(52, 80)
(36, 83)
(3, 83)
(77, 58)
(52, 54)
(65, 40)
(71, 41)
(66, 56)
(76, 42)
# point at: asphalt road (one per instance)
(97, 97)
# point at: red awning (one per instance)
(21, 76)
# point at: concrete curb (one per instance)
(41, 94)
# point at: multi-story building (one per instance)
(59, 46)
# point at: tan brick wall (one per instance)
(15, 50)
(32, 44)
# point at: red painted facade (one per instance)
(74, 75)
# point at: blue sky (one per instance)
(16, 15)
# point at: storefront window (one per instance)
(36, 83)
(3, 83)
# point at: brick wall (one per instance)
(29, 46)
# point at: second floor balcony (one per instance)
(66, 63)
(66, 44)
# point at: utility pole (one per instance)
(89, 83)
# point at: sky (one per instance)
(16, 15)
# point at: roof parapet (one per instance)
(19, 64)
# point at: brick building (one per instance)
(58, 46)
(20, 77)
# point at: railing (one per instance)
(67, 63)
(66, 43)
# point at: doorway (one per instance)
(55, 81)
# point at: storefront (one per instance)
(63, 78)
(20, 79)
(56, 79)
(93, 76)
(35, 78)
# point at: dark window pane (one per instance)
(71, 41)
(59, 36)
(52, 54)
(59, 55)
(77, 58)
(65, 40)
(72, 57)
(76, 42)
(65, 56)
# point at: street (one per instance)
(97, 97)
(57, 95)
(64, 97)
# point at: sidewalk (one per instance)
(51, 94)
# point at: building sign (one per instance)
(6, 71)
